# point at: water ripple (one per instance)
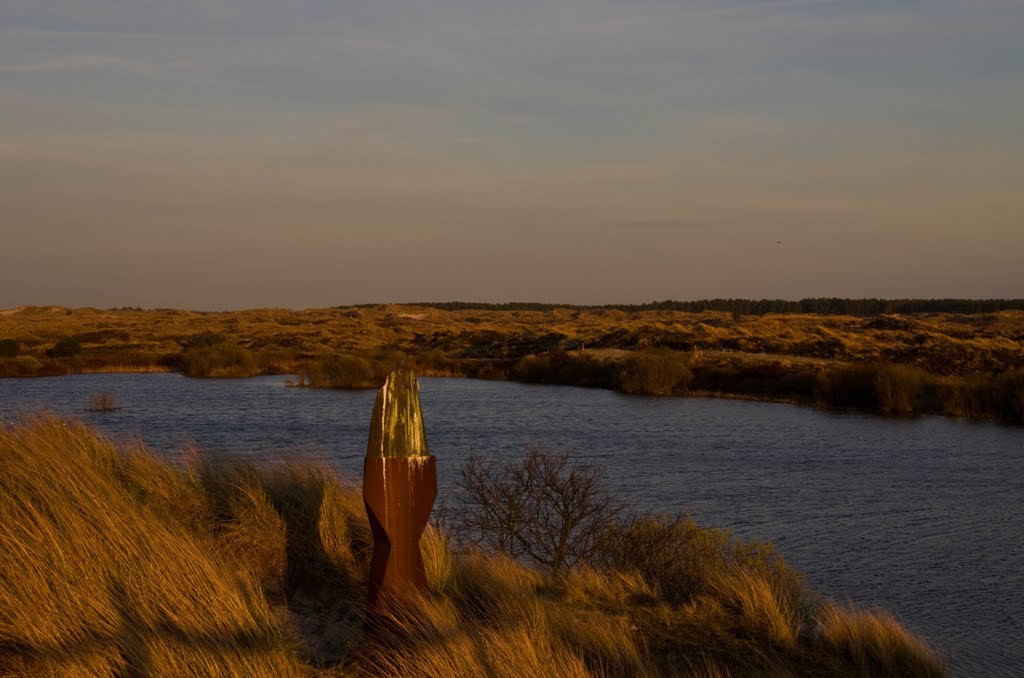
(919, 516)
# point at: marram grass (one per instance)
(93, 581)
(114, 562)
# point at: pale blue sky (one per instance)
(233, 154)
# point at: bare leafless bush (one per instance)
(544, 507)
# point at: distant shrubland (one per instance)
(220, 360)
(9, 348)
(953, 357)
(817, 306)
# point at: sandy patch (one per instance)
(325, 626)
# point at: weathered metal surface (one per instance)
(399, 494)
(399, 489)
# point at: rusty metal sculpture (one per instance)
(399, 489)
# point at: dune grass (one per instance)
(116, 562)
(105, 570)
(874, 641)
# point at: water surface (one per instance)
(920, 516)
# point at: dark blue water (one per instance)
(922, 517)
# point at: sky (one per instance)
(229, 154)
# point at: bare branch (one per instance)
(545, 507)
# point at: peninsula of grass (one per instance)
(947, 357)
(116, 562)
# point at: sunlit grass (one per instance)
(875, 642)
(116, 562)
(94, 582)
(941, 363)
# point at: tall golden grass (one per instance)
(875, 642)
(94, 580)
(116, 562)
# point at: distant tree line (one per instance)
(819, 305)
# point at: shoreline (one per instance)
(943, 363)
(695, 393)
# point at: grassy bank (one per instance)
(114, 562)
(883, 388)
(967, 365)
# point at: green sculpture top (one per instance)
(396, 428)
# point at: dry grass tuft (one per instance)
(476, 653)
(328, 536)
(612, 590)
(503, 621)
(759, 607)
(249, 530)
(875, 643)
(94, 582)
(438, 560)
(497, 590)
(103, 402)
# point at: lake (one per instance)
(919, 516)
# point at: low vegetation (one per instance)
(219, 360)
(951, 357)
(655, 372)
(65, 347)
(342, 371)
(103, 402)
(114, 562)
(9, 348)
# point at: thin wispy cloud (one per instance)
(74, 62)
(574, 135)
(738, 9)
(662, 225)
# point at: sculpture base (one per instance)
(399, 494)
